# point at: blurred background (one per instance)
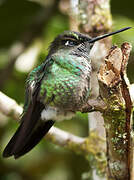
(26, 29)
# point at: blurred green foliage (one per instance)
(15, 17)
(46, 161)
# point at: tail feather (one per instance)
(29, 121)
(35, 138)
(29, 133)
(8, 149)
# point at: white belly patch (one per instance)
(52, 113)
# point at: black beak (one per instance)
(106, 35)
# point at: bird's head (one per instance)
(69, 41)
(75, 41)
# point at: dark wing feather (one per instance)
(23, 141)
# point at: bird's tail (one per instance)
(29, 133)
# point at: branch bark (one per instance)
(114, 91)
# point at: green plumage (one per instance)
(63, 82)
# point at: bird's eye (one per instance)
(70, 43)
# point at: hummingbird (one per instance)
(55, 90)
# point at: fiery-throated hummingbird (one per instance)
(55, 90)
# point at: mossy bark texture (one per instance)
(117, 116)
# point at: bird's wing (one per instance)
(33, 83)
(30, 128)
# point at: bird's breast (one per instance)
(66, 88)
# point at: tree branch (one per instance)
(9, 107)
(114, 91)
